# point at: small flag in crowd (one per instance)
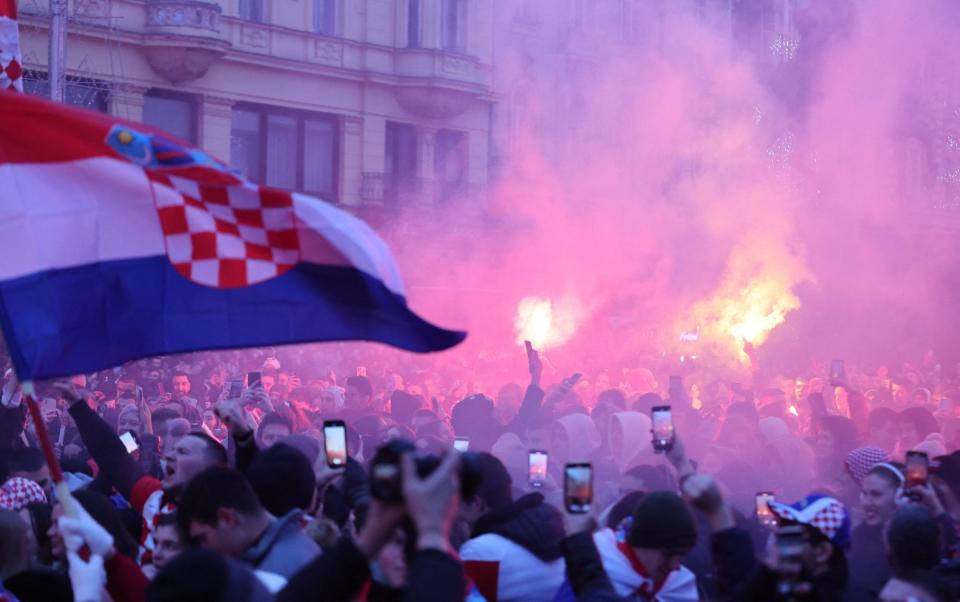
(11, 69)
(121, 242)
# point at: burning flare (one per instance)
(545, 324)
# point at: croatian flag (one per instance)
(11, 72)
(121, 243)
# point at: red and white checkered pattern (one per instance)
(18, 493)
(226, 236)
(825, 515)
(862, 460)
(11, 71)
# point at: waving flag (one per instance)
(121, 243)
(11, 71)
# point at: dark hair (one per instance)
(361, 384)
(27, 459)
(888, 475)
(403, 405)
(163, 415)
(433, 429)
(844, 432)
(205, 576)
(425, 413)
(104, 512)
(167, 519)
(211, 490)
(179, 373)
(214, 452)
(613, 398)
(495, 484)
(282, 478)
(913, 539)
(747, 410)
(922, 419)
(933, 582)
(273, 418)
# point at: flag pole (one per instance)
(56, 473)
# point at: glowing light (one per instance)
(544, 323)
(793, 410)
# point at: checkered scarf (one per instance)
(18, 493)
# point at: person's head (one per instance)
(878, 493)
(392, 560)
(915, 425)
(647, 478)
(30, 464)
(268, 378)
(272, 428)
(14, 548)
(282, 478)
(913, 539)
(403, 405)
(836, 437)
(166, 540)
(826, 524)
(216, 377)
(358, 392)
(219, 511)
(210, 419)
(509, 398)
(495, 491)
(205, 576)
(538, 432)
(422, 417)
(181, 384)
(623, 509)
(128, 420)
(439, 430)
(188, 457)
(883, 429)
(663, 531)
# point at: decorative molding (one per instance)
(254, 37)
(183, 13)
(180, 63)
(91, 9)
(328, 51)
(452, 64)
(433, 102)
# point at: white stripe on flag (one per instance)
(68, 214)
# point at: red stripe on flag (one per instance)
(8, 8)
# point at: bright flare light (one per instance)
(793, 410)
(544, 324)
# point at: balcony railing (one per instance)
(390, 189)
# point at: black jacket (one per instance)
(740, 578)
(869, 566)
(341, 573)
(527, 522)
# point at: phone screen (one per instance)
(578, 488)
(236, 388)
(836, 371)
(253, 379)
(129, 442)
(335, 443)
(918, 464)
(662, 428)
(538, 467)
(764, 514)
(461, 444)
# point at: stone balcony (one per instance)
(437, 84)
(182, 38)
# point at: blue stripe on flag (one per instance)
(88, 318)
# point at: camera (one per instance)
(386, 474)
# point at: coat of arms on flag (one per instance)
(11, 70)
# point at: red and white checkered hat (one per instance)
(825, 514)
(862, 460)
(226, 236)
(18, 493)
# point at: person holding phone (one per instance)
(878, 499)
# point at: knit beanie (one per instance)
(282, 478)
(662, 521)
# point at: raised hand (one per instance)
(534, 363)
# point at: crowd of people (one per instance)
(212, 476)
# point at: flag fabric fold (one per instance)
(122, 242)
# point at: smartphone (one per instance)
(236, 389)
(335, 443)
(574, 379)
(764, 514)
(129, 442)
(253, 379)
(662, 428)
(918, 468)
(837, 372)
(578, 488)
(461, 444)
(139, 393)
(537, 472)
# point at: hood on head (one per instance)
(633, 431)
(583, 438)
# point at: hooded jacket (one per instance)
(633, 433)
(283, 548)
(515, 552)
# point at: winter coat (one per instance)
(283, 548)
(515, 552)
